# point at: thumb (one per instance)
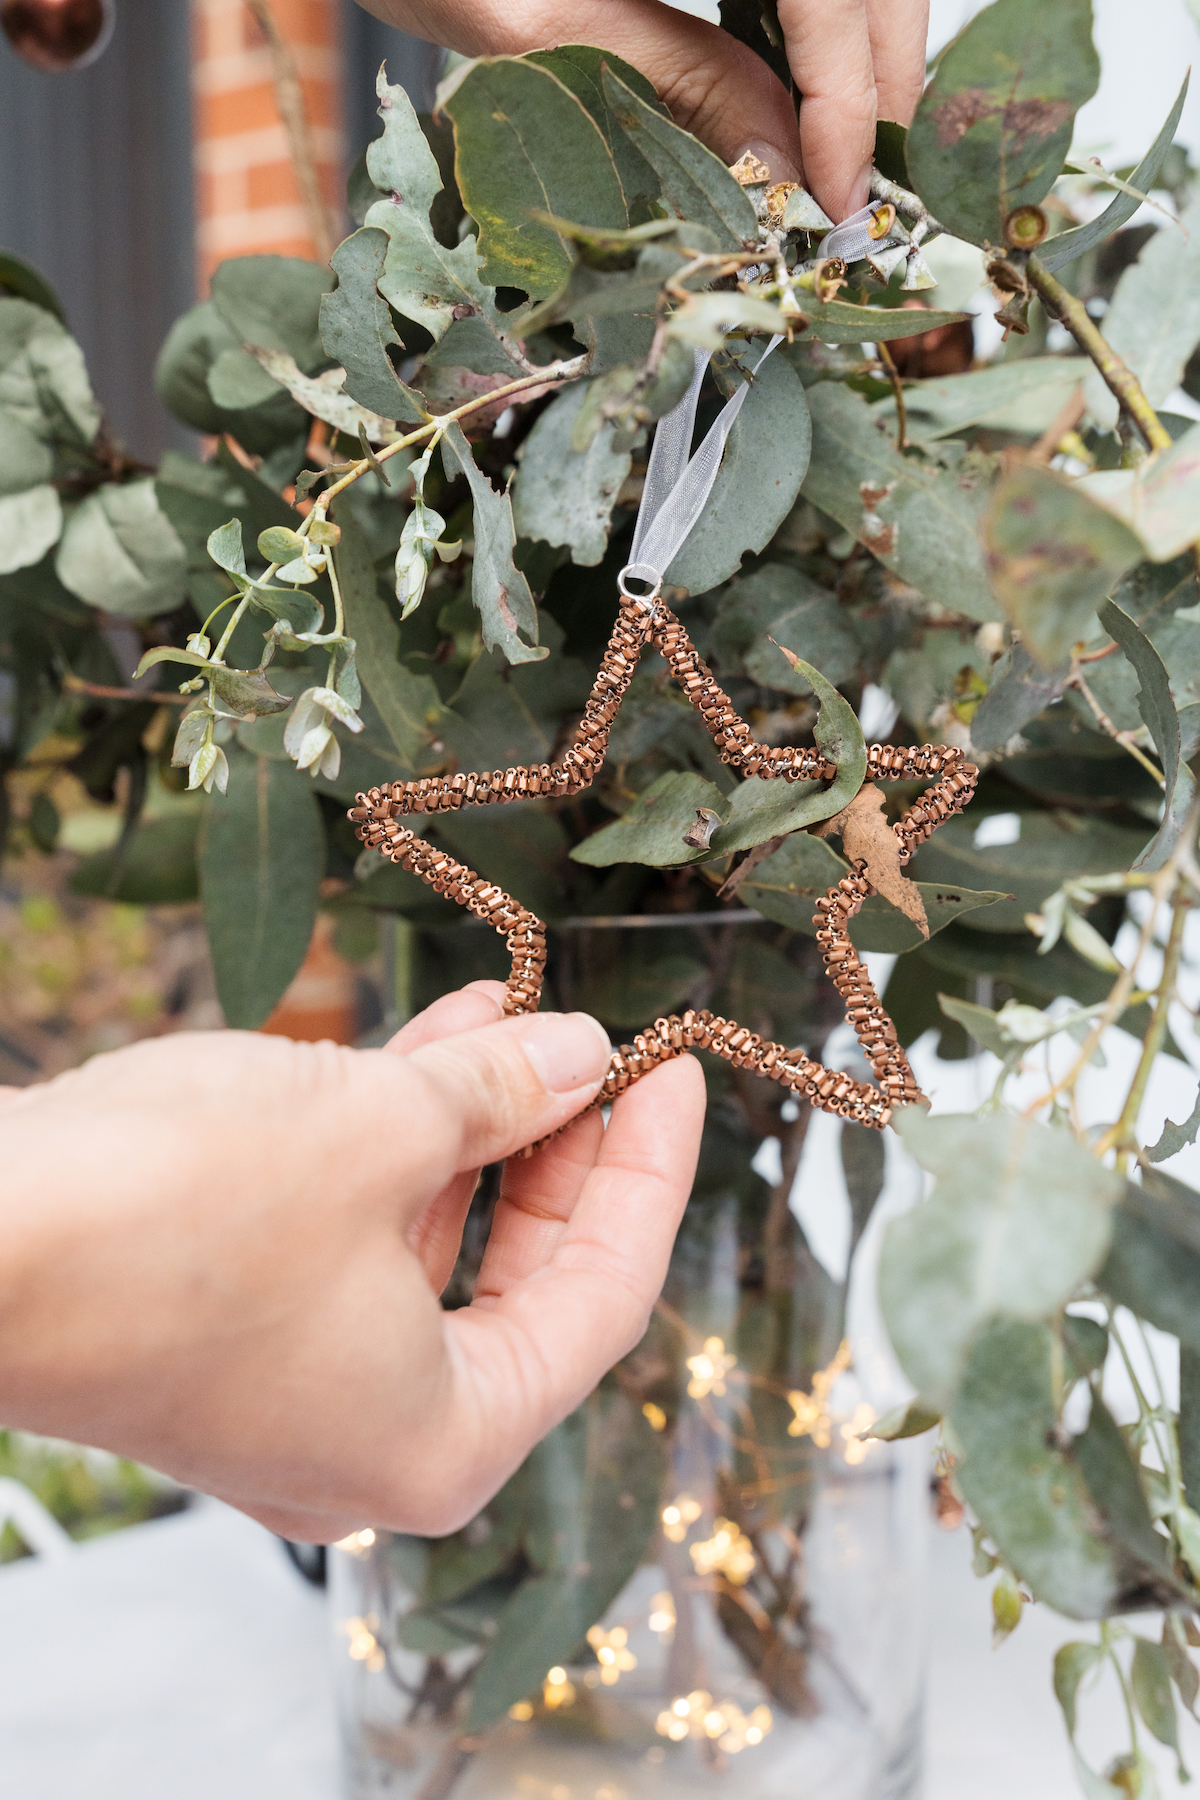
(483, 1094)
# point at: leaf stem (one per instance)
(1121, 1135)
(550, 376)
(1118, 377)
(893, 375)
(232, 626)
(1124, 738)
(74, 684)
(1122, 989)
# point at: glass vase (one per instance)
(705, 1581)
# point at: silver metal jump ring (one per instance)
(641, 572)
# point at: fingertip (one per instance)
(479, 1003)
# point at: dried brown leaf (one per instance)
(867, 837)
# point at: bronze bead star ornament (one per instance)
(675, 494)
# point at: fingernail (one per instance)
(778, 162)
(566, 1050)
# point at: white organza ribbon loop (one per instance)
(677, 487)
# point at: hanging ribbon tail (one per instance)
(677, 488)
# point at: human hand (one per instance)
(222, 1253)
(852, 60)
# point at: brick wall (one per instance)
(247, 198)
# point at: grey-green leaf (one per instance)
(1020, 1215)
(652, 830)
(563, 495)
(1071, 1663)
(1070, 244)
(408, 704)
(422, 279)
(1153, 319)
(1174, 1138)
(766, 458)
(357, 329)
(919, 517)
(525, 145)
(119, 551)
(594, 1488)
(43, 376)
(994, 124)
(1030, 1496)
(499, 590)
(1162, 721)
(30, 523)
(695, 183)
(1053, 555)
(262, 856)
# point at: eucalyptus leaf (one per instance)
(580, 67)
(1158, 498)
(1020, 1215)
(156, 867)
(994, 125)
(843, 322)
(1153, 319)
(408, 705)
(25, 460)
(1068, 245)
(261, 858)
(765, 460)
(1020, 690)
(30, 524)
(882, 926)
(422, 279)
(919, 517)
(909, 1420)
(1072, 1662)
(1150, 1680)
(594, 1489)
(1151, 1271)
(526, 146)
(1023, 397)
(43, 377)
(652, 830)
(563, 495)
(1162, 721)
(1031, 1497)
(119, 551)
(695, 184)
(1050, 850)
(357, 329)
(1175, 1138)
(1053, 555)
(499, 590)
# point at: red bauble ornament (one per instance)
(58, 35)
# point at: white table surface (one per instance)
(186, 1660)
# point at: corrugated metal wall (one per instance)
(97, 186)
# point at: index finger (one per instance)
(532, 1352)
(830, 55)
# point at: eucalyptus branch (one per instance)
(1118, 377)
(74, 684)
(553, 375)
(893, 375)
(1160, 885)
(1121, 1135)
(907, 204)
(1124, 738)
